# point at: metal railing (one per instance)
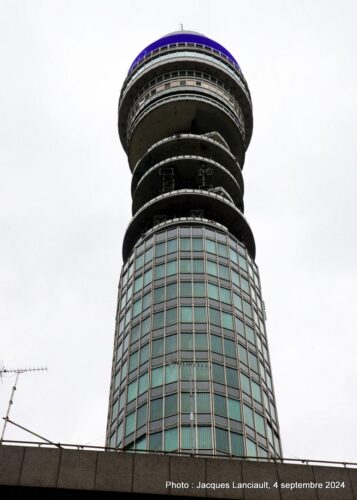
(269, 459)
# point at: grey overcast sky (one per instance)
(65, 202)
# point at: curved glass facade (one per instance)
(191, 370)
(191, 365)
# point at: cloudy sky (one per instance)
(65, 202)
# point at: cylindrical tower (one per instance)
(191, 369)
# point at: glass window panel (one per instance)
(242, 262)
(215, 317)
(235, 278)
(218, 373)
(234, 409)
(145, 326)
(185, 289)
(171, 440)
(242, 354)
(132, 390)
(251, 448)
(262, 453)
(186, 371)
(227, 321)
(123, 370)
(120, 434)
(156, 377)
(216, 343)
(160, 271)
(253, 362)
(237, 302)
(247, 309)
(148, 277)
(244, 284)
(186, 341)
(143, 383)
(171, 268)
(203, 402)
(115, 409)
(185, 402)
(201, 371)
(141, 443)
(186, 314)
(139, 261)
(226, 296)
(201, 341)
(256, 392)
(144, 354)
(172, 246)
(159, 295)
(185, 266)
(146, 300)
(213, 291)
(229, 348)
(160, 249)
(198, 266)
(186, 438)
(171, 291)
(237, 444)
(121, 401)
(204, 435)
(248, 416)
(259, 423)
(222, 440)
(156, 407)
(133, 361)
(148, 255)
(249, 333)
(157, 347)
(232, 377)
(223, 272)
(211, 246)
(185, 244)
(158, 320)
(135, 334)
(171, 316)
(171, 405)
(155, 441)
(129, 423)
(222, 250)
(199, 289)
(138, 284)
(137, 307)
(171, 343)
(170, 373)
(212, 268)
(220, 405)
(200, 314)
(197, 244)
(245, 383)
(233, 255)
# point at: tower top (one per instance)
(183, 36)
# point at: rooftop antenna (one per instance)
(18, 372)
(181, 26)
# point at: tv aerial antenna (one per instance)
(18, 372)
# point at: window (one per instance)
(256, 392)
(171, 291)
(146, 300)
(200, 314)
(248, 416)
(141, 417)
(171, 343)
(244, 380)
(197, 244)
(214, 316)
(198, 266)
(220, 405)
(185, 266)
(143, 383)
(203, 402)
(251, 448)
(171, 316)
(216, 343)
(213, 291)
(201, 341)
(172, 246)
(199, 289)
(242, 354)
(234, 409)
(186, 314)
(160, 271)
(137, 308)
(223, 272)
(222, 442)
(186, 341)
(211, 246)
(171, 268)
(237, 444)
(170, 405)
(160, 249)
(138, 284)
(133, 361)
(259, 422)
(170, 373)
(155, 441)
(247, 309)
(185, 244)
(171, 440)
(218, 373)
(232, 377)
(159, 295)
(156, 407)
(148, 277)
(157, 347)
(186, 438)
(158, 320)
(156, 377)
(201, 371)
(145, 326)
(204, 435)
(132, 390)
(222, 250)
(229, 348)
(185, 402)
(227, 321)
(253, 362)
(144, 354)
(185, 289)
(129, 423)
(226, 296)
(212, 268)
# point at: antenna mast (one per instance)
(18, 372)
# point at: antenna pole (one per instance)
(6, 418)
